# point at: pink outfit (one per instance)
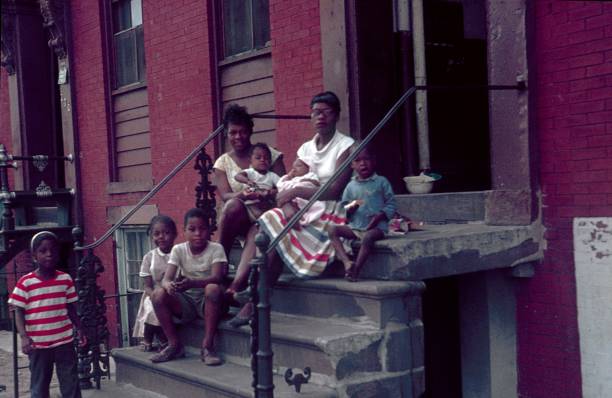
(317, 209)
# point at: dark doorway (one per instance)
(456, 54)
(442, 339)
(455, 34)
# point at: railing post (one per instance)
(254, 299)
(93, 359)
(8, 220)
(265, 385)
(205, 191)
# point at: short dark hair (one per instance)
(328, 98)
(196, 212)
(367, 149)
(38, 239)
(162, 219)
(236, 114)
(263, 146)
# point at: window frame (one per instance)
(253, 50)
(141, 80)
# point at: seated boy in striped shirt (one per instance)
(45, 314)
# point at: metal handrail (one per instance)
(340, 169)
(153, 191)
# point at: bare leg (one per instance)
(234, 221)
(213, 299)
(335, 233)
(165, 307)
(367, 243)
(148, 334)
(248, 253)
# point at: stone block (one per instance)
(508, 207)
(404, 347)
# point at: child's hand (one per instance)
(82, 338)
(249, 194)
(183, 284)
(169, 287)
(27, 345)
(375, 220)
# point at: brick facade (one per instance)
(573, 53)
(297, 66)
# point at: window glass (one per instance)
(261, 30)
(128, 42)
(246, 25)
(136, 245)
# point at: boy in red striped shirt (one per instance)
(45, 315)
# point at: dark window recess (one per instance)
(128, 42)
(246, 25)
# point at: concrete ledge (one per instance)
(443, 207)
(452, 249)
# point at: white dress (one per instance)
(154, 264)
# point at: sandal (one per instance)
(169, 353)
(210, 357)
(240, 319)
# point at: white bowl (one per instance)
(419, 184)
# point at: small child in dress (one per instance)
(370, 205)
(154, 265)
(45, 314)
(259, 178)
(197, 292)
(301, 176)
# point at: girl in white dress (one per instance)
(154, 264)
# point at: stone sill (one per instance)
(453, 249)
(114, 188)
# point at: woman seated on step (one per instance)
(306, 250)
(238, 217)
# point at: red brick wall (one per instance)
(573, 53)
(179, 81)
(297, 66)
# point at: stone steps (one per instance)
(188, 376)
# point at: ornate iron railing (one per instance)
(94, 358)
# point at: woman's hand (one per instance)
(249, 194)
(284, 197)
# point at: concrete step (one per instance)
(188, 376)
(375, 301)
(334, 349)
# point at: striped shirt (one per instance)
(45, 307)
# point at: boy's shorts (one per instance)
(193, 307)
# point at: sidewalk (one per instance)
(108, 389)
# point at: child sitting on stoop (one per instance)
(370, 204)
(162, 230)
(260, 179)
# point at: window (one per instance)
(133, 243)
(128, 41)
(246, 25)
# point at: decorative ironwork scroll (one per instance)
(205, 191)
(8, 37)
(52, 12)
(94, 358)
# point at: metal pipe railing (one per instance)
(152, 192)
